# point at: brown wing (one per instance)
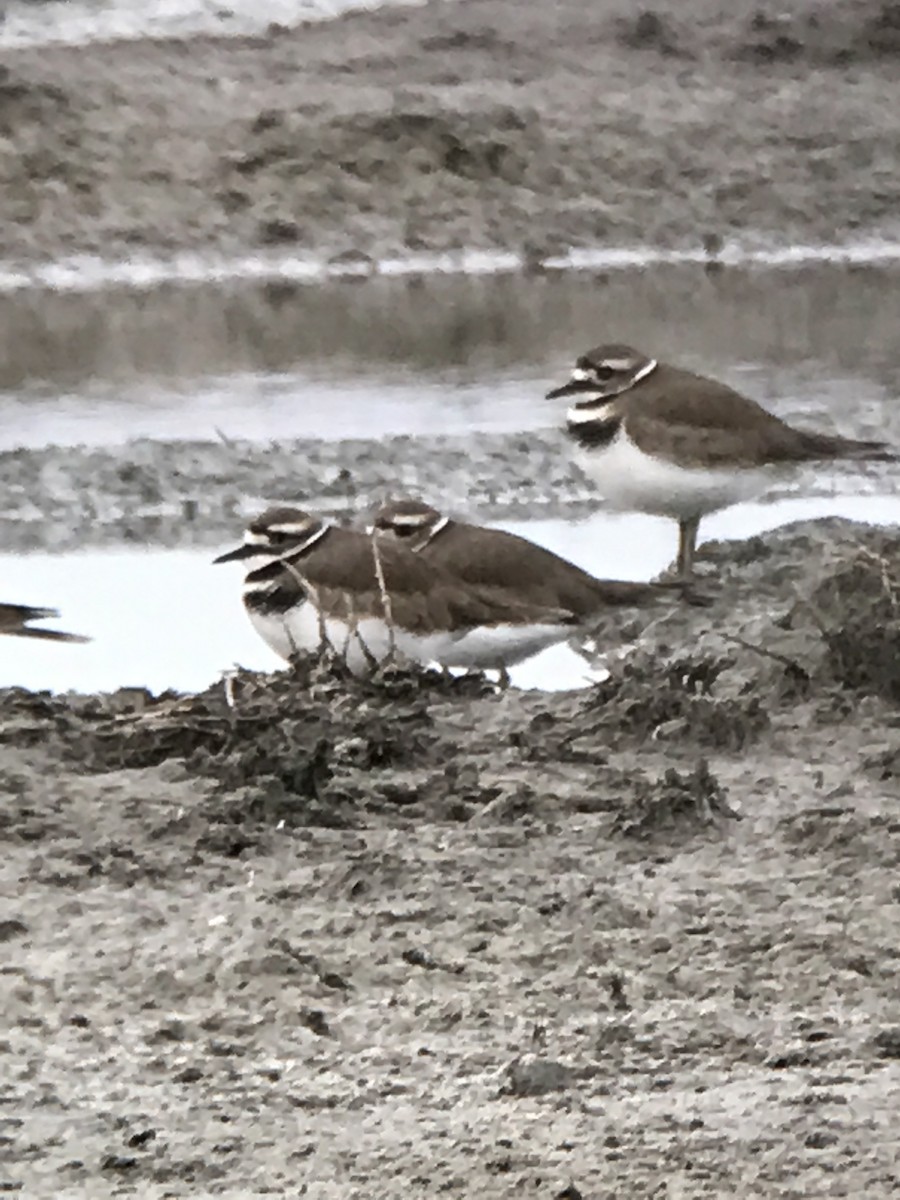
(446, 605)
(494, 558)
(700, 422)
(341, 572)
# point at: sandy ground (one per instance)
(414, 938)
(488, 123)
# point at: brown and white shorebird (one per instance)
(661, 440)
(15, 622)
(496, 559)
(311, 586)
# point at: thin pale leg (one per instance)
(687, 544)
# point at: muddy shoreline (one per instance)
(439, 939)
(182, 493)
(179, 494)
(449, 126)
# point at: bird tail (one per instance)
(15, 618)
(823, 445)
(873, 452)
(623, 593)
(26, 612)
(48, 635)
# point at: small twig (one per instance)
(228, 684)
(886, 580)
(324, 643)
(353, 631)
(313, 597)
(818, 619)
(385, 596)
(351, 625)
(765, 652)
(290, 637)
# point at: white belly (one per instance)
(273, 629)
(361, 645)
(289, 633)
(633, 481)
(305, 629)
(499, 645)
(369, 641)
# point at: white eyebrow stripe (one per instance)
(410, 519)
(645, 370)
(590, 416)
(289, 528)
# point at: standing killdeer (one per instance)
(496, 559)
(311, 586)
(14, 619)
(660, 440)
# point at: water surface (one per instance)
(170, 619)
(29, 23)
(436, 355)
(433, 356)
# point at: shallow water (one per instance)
(139, 272)
(170, 619)
(75, 21)
(441, 355)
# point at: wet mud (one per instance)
(413, 936)
(304, 934)
(183, 493)
(178, 494)
(444, 126)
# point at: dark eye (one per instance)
(604, 372)
(278, 538)
(403, 530)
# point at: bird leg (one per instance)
(687, 544)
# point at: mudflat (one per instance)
(301, 935)
(488, 123)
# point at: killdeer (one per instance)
(15, 618)
(496, 559)
(311, 586)
(661, 440)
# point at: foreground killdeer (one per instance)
(660, 440)
(499, 560)
(311, 587)
(15, 618)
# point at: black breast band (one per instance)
(591, 435)
(274, 599)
